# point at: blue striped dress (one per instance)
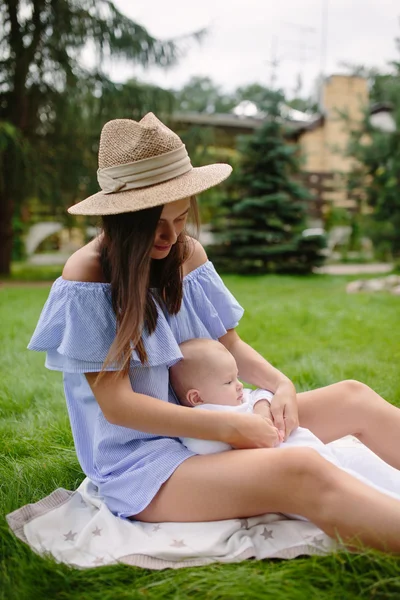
(76, 329)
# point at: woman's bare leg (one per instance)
(246, 483)
(350, 407)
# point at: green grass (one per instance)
(23, 271)
(309, 328)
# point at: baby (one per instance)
(207, 378)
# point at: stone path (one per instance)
(355, 269)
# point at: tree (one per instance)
(201, 95)
(261, 95)
(377, 175)
(254, 92)
(42, 83)
(261, 227)
(376, 171)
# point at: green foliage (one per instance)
(256, 93)
(382, 233)
(262, 218)
(201, 94)
(289, 321)
(335, 217)
(377, 174)
(52, 108)
(19, 228)
(379, 170)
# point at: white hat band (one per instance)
(145, 172)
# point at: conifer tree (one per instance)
(260, 225)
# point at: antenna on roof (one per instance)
(273, 63)
(323, 48)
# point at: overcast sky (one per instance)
(238, 48)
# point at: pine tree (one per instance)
(260, 226)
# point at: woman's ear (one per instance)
(193, 398)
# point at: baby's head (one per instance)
(207, 374)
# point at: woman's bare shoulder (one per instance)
(84, 265)
(197, 256)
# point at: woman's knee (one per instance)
(310, 478)
(353, 387)
(355, 394)
(304, 463)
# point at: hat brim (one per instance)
(195, 181)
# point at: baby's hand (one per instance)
(263, 407)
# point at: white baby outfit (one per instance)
(250, 398)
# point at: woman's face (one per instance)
(172, 221)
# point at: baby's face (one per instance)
(221, 386)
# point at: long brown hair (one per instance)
(137, 281)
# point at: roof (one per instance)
(242, 122)
(381, 107)
(246, 115)
(218, 119)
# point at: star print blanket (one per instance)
(78, 529)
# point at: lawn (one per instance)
(308, 327)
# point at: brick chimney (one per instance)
(341, 94)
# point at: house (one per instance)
(322, 137)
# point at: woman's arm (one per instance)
(122, 406)
(254, 369)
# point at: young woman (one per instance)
(112, 325)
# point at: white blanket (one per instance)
(78, 529)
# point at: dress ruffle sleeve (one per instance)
(77, 327)
(207, 297)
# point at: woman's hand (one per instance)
(263, 408)
(250, 431)
(284, 409)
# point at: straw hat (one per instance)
(144, 164)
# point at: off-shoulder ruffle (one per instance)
(208, 297)
(77, 325)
